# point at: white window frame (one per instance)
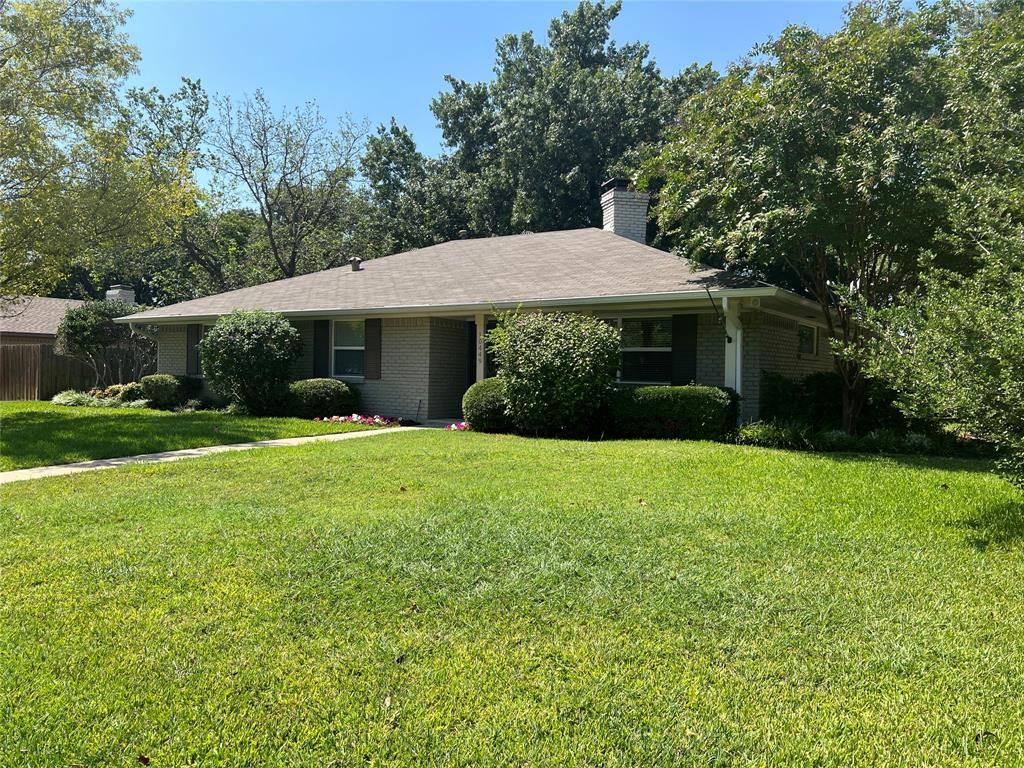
(814, 339)
(618, 373)
(348, 376)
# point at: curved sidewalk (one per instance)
(34, 473)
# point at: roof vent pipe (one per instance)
(463, 234)
(356, 263)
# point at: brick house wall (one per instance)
(402, 388)
(170, 350)
(424, 361)
(771, 343)
(447, 378)
(710, 350)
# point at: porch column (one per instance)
(734, 350)
(481, 353)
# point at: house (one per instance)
(34, 320)
(30, 369)
(407, 330)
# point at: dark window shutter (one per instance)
(684, 349)
(321, 348)
(193, 333)
(372, 359)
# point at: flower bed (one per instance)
(459, 426)
(355, 418)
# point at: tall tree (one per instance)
(71, 183)
(954, 349)
(416, 200)
(535, 143)
(822, 163)
(297, 173)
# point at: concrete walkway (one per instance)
(33, 473)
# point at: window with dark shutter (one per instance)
(646, 350)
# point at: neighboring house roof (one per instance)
(550, 268)
(37, 315)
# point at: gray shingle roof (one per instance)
(36, 315)
(494, 271)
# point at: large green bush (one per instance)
(484, 406)
(162, 390)
(557, 369)
(247, 358)
(687, 413)
(116, 352)
(310, 398)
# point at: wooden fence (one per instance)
(35, 372)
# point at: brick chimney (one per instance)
(624, 210)
(120, 293)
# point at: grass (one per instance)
(34, 434)
(430, 598)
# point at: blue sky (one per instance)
(375, 60)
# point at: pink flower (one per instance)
(355, 418)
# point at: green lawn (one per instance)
(34, 434)
(432, 598)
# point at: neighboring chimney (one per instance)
(121, 293)
(624, 210)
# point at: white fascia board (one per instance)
(448, 309)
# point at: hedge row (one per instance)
(686, 413)
(305, 399)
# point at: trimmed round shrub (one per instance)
(126, 393)
(310, 398)
(247, 358)
(687, 413)
(162, 390)
(557, 370)
(483, 406)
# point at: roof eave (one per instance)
(413, 309)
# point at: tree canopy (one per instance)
(831, 163)
(74, 177)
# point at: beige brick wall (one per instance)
(710, 350)
(170, 350)
(423, 361)
(448, 368)
(402, 389)
(770, 343)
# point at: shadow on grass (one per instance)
(916, 461)
(41, 438)
(997, 525)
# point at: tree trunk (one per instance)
(854, 394)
